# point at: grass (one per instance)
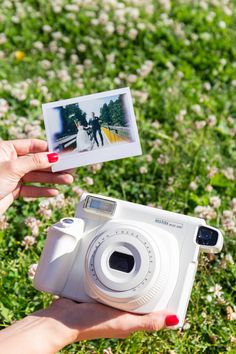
(179, 59)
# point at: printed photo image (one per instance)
(91, 129)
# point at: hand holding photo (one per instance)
(91, 129)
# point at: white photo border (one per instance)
(68, 161)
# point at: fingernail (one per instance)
(171, 320)
(53, 157)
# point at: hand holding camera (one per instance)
(128, 256)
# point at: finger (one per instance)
(5, 203)
(48, 177)
(29, 146)
(37, 192)
(157, 320)
(28, 163)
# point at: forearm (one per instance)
(36, 334)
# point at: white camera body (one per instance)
(128, 256)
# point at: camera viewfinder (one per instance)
(207, 236)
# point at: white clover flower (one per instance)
(47, 28)
(229, 258)
(228, 224)
(81, 47)
(216, 290)
(194, 36)
(228, 214)
(163, 159)
(38, 45)
(3, 38)
(120, 29)
(143, 170)
(103, 18)
(209, 298)
(212, 171)
(149, 8)
(110, 29)
(222, 24)
(229, 173)
(133, 12)
(53, 46)
(157, 143)
(110, 57)
(148, 158)
(33, 224)
(132, 34)
(59, 201)
(186, 326)
(88, 180)
(197, 109)
(211, 120)
(227, 11)
(215, 201)
(78, 191)
(142, 96)
(4, 107)
(170, 66)
(205, 212)
(15, 19)
(63, 75)
(207, 86)
(57, 9)
(34, 102)
(88, 63)
(205, 36)
(45, 212)
(233, 83)
(94, 21)
(80, 68)
(146, 68)
(141, 26)
(56, 35)
(233, 203)
(96, 167)
(32, 270)
(131, 78)
(107, 351)
(28, 241)
(72, 8)
(203, 5)
(200, 124)
(193, 185)
(45, 64)
(223, 61)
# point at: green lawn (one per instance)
(179, 59)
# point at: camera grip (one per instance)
(56, 259)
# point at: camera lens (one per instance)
(207, 236)
(121, 261)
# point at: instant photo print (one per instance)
(92, 128)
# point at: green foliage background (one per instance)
(190, 49)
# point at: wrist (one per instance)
(39, 333)
(55, 332)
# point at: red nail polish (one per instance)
(171, 320)
(53, 157)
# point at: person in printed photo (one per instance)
(83, 139)
(96, 128)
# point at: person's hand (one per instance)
(27, 161)
(65, 322)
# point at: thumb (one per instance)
(158, 320)
(38, 161)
